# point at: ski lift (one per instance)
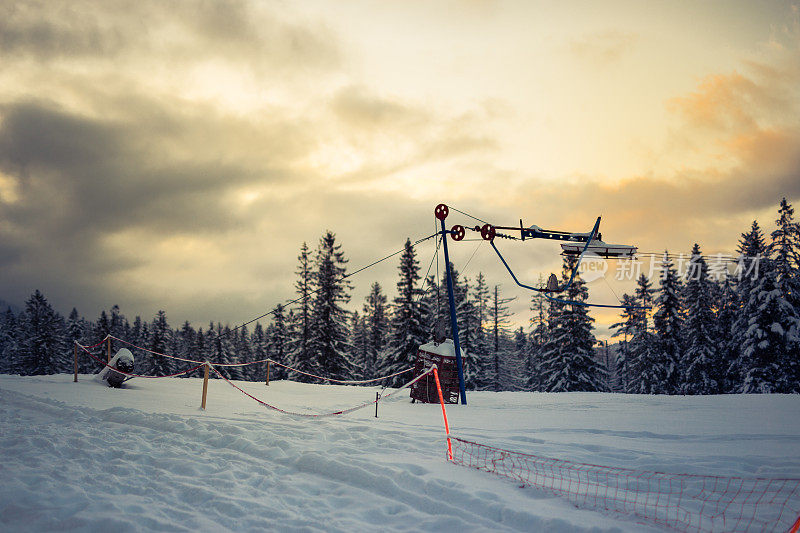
(599, 248)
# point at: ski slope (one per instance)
(86, 457)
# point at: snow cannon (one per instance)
(123, 361)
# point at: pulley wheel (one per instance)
(457, 233)
(488, 232)
(441, 211)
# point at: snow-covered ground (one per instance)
(83, 456)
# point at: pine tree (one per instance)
(376, 328)
(539, 333)
(42, 340)
(185, 341)
(329, 340)
(407, 331)
(279, 342)
(785, 250)
(752, 250)
(481, 345)
(766, 336)
(727, 310)
(667, 324)
(627, 327)
(700, 356)
(77, 329)
(299, 355)
(160, 342)
(360, 342)
(498, 322)
(9, 343)
(568, 362)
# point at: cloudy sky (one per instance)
(175, 155)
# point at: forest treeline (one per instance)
(702, 331)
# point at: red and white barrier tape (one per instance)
(135, 375)
(322, 415)
(342, 381)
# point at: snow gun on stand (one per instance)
(122, 361)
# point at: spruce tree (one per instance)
(498, 323)
(329, 342)
(701, 359)
(727, 311)
(752, 250)
(766, 336)
(42, 340)
(376, 328)
(481, 345)
(360, 342)
(785, 250)
(9, 343)
(667, 324)
(407, 331)
(279, 342)
(627, 328)
(261, 350)
(568, 362)
(299, 355)
(536, 339)
(160, 342)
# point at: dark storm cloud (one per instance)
(237, 30)
(164, 169)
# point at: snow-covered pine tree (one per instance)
(785, 250)
(726, 310)
(160, 342)
(42, 339)
(568, 362)
(77, 330)
(376, 328)
(536, 339)
(752, 250)
(222, 350)
(240, 337)
(767, 335)
(185, 344)
(261, 351)
(279, 344)
(102, 328)
(481, 344)
(407, 331)
(117, 323)
(467, 321)
(9, 342)
(667, 324)
(299, 355)
(329, 341)
(627, 327)
(701, 356)
(358, 340)
(501, 378)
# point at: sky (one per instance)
(175, 155)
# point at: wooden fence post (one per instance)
(76, 363)
(377, 397)
(205, 387)
(109, 348)
(267, 373)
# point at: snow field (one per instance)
(90, 458)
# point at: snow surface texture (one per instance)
(83, 456)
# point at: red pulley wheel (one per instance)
(441, 211)
(457, 233)
(488, 232)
